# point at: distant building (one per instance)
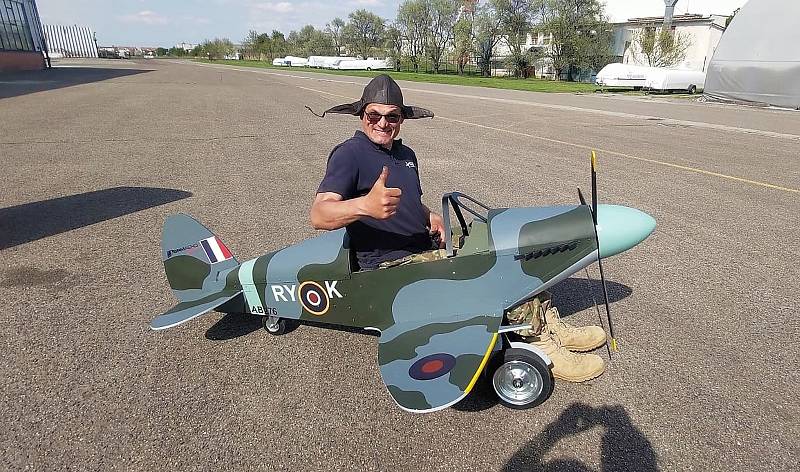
(185, 46)
(21, 38)
(703, 31)
(70, 41)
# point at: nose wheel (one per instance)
(520, 378)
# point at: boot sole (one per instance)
(574, 348)
(578, 379)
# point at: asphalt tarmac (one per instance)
(97, 155)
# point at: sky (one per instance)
(168, 22)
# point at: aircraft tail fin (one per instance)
(193, 257)
(200, 269)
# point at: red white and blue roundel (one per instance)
(314, 298)
(432, 366)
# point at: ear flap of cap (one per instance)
(413, 113)
(354, 108)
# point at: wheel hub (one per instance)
(517, 382)
(273, 323)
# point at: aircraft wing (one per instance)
(429, 367)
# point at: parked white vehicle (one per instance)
(290, 61)
(665, 80)
(327, 61)
(622, 75)
(317, 61)
(363, 64)
(294, 61)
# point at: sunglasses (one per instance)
(391, 118)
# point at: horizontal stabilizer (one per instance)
(185, 311)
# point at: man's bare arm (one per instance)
(330, 211)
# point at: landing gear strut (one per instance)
(274, 325)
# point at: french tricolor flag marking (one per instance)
(216, 250)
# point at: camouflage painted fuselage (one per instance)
(438, 320)
(500, 266)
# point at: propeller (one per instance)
(613, 343)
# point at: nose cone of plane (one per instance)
(620, 228)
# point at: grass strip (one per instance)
(509, 83)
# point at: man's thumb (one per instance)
(382, 178)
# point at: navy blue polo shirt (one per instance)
(353, 168)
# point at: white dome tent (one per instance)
(758, 59)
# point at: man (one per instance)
(371, 186)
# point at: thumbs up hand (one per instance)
(381, 202)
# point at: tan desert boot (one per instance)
(568, 365)
(574, 338)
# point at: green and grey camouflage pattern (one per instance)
(439, 320)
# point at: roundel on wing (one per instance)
(432, 366)
(313, 298)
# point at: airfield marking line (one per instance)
(579, 146)
(662, 120)
(628, 156)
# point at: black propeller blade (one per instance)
(613, 343)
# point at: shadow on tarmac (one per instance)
(32, 221)
(13, 84)
(234, 325)
(575, 294)
(623, 445)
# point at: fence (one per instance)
(70, 41)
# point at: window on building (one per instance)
(15, 31)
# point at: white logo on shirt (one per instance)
(410, 164)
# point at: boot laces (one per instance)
(557, 340)
(559, 321)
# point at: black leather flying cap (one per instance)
(384, 90)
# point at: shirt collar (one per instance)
(395, 144)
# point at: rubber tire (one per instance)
(531, 359)
(692, 89)
(281, 329)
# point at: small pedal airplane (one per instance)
(442, 323)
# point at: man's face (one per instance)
(378, 129)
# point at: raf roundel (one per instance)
(432, 367)
(313, 298)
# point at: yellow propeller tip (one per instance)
(614, 346)
(594, 160)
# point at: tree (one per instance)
(463, 46)
(581, 36)
(443, 15)
(309, 41)
(517, 17)
(488, 33)
(414, 22)
(176, 52)
(218, 48)
(250, 45)
(393, 41)
(199, 51)
(334, 30)
(277, 44)
(364, 31)
(660, 47)
(161, 51)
